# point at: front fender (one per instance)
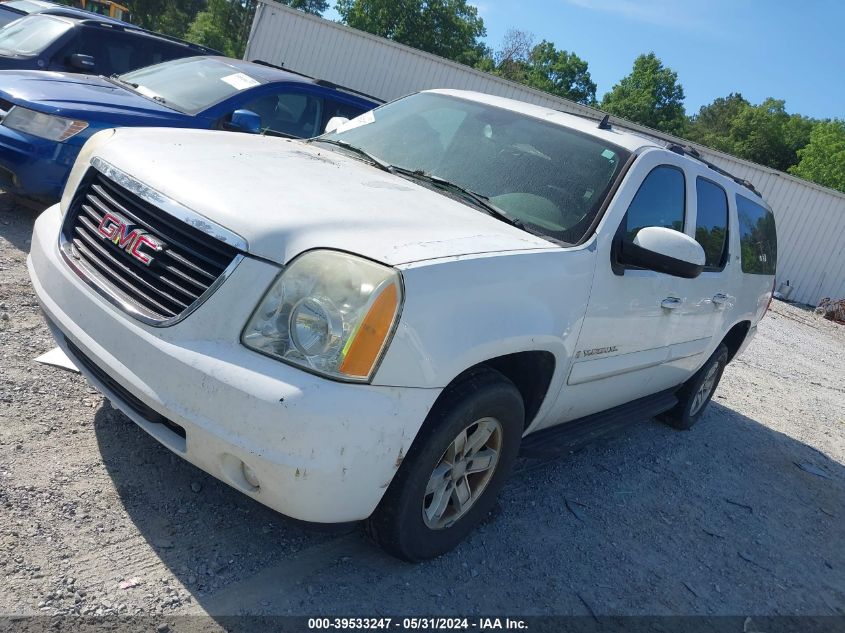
(460, 312)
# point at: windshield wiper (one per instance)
(117, 78)
(478, 199)
(375, 160)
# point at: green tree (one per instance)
(712, 125)
(650, 95)
(449, 28)
(543, 67)
(561, 73)
(223, 25)
(764, 133)
(511, 60)
(218, 27)
(768, 135)
(170, 17)
(822, 160)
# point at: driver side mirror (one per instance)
(334, 123)
(664, 251)
(245, 121)
(81, 62)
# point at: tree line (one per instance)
(651, 94)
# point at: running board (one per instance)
(562, 438)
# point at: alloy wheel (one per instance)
(462, 473)
(705, 390)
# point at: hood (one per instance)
(85, 97)
(285, 197)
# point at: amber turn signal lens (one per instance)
(366, 344)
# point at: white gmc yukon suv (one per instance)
(368, 325)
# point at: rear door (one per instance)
(709, 218)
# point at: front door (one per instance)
(642, 330)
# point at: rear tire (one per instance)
(451, 476)
(695, 394)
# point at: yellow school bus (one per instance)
(106, 7)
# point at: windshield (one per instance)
(549, 178)
(31, 35)
(190, 85)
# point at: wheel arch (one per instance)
(735, 336)
(530, 371)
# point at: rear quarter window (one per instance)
(757, 237)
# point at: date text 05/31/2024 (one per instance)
(409, 624)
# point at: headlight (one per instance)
(54, 128)
(329, 312)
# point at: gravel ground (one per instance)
(745, 514)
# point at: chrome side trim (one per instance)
(66, 249)
(169, 206)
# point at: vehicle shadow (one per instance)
(16, 220)
(730, 518)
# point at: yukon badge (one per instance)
(123, 234)
(596, 351)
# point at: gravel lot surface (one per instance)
(745, 514)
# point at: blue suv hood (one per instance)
(85, 97)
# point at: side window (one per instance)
(157, 51)
(660, 201)
(757, 237)
(711, 225)
(338, 108)
(113, 51)
(289, 113)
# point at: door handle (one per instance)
(720, 298)
(670, 303)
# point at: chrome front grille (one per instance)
(154, 264)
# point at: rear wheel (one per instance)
(456, 467)
(695, 394)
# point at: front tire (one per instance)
(454, 470)
(695, 394)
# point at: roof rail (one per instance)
(687, 150)
(683, 150)
(319, 82)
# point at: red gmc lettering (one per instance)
(109, 226)
(143, 257)
(114, 228)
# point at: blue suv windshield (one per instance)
(30, 35)
(190, 85)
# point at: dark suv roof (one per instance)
(79, 14)
(64, 39)
(87, 18)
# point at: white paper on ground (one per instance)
(57, 358)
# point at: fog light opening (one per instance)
(239, 474)
(249, 475)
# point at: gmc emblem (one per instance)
(124, 235)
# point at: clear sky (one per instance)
(787, 49)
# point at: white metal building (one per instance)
(810, 218)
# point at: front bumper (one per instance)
(322, 451)
(34, 167)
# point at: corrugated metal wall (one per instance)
(810, 218)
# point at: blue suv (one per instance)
(73, 40)
(47, 117)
